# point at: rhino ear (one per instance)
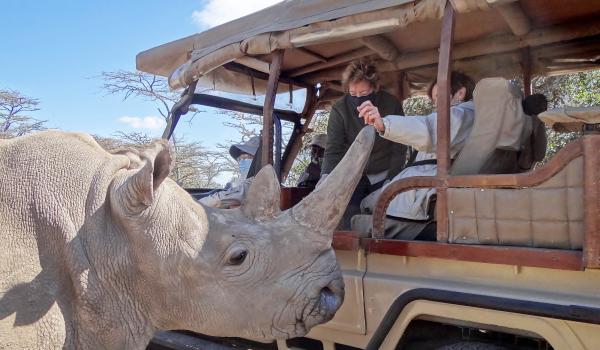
(262, 200)
(140, 188)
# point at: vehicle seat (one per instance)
(500, 131)
(548, 215)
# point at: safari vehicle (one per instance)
(516, 263)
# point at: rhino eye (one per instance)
(237, 258)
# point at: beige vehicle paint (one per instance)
(386, 277)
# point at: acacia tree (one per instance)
(576, 90)
(14, 114)
(194, 165)
(143, 85)
(246, 125)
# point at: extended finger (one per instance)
(364, 104)
(372, 115)
(375, 112)
(365, 110)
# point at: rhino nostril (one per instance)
(326, 290)
(330, 299)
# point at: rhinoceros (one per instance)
(100, 250)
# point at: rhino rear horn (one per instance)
(325, 206)
(262, 199)
(139, 189)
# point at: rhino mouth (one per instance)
(319, 309)
(323, 307)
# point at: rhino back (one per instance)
(52, 184)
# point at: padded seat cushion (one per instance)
(549, 215)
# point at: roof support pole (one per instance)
(397, 88)
(526, 69)
(180, 108)
(591, 182)
(443, 120)
(295, 143)
(272, 84)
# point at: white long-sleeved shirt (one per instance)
(420, 133)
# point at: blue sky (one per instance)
(55, 50)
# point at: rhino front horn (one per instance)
(325, 206)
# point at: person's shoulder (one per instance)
(463, 109)
(467, 105)
(339, 103)
(339, 106)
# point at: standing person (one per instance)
(312, 173)
(361, 82)
(244, 153)
(234, 192)
(419, 132)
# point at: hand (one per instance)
(371, 115)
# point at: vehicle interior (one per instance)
(549, 208)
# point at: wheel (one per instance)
(472, 346)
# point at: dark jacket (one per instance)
(343, 127)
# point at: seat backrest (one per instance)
(498, 132)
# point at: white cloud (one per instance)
(150, 122)
(217, 12)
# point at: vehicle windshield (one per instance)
(204, 135)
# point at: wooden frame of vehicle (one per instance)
(550, 294)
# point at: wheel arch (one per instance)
(552, 322)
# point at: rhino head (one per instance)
(255, 272)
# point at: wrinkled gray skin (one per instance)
(99, 251)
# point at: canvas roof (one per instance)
(402, 36)
(288, 14)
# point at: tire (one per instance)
(472, 346)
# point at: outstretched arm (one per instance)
(413, 131)
(416, 131)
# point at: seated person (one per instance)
(410, 208)
(534, 148)
(361, 82)
(312, 173)
(233, 193)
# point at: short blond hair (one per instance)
(359, 70)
